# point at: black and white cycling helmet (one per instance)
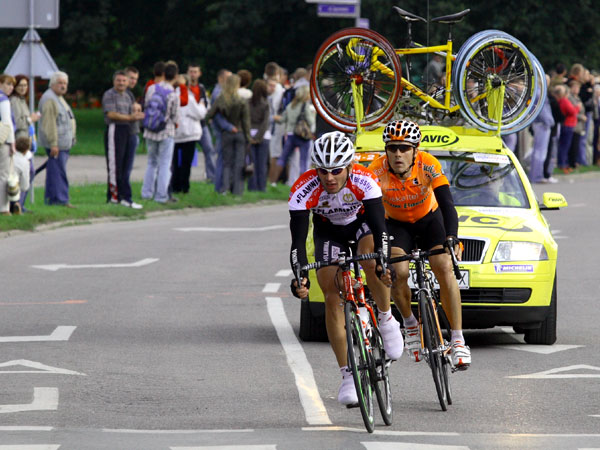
(332, 150)
(402, 131)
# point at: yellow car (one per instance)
(509, 261)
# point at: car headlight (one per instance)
(519, 251)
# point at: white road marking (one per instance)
(541, 349)
(40, 368)
(271, 288)
(30, 447)
(284, 273)
(382, 432)
(311, 401)
(55, 267)
(25, 428)
(44, 399)
(232, 229)
(62, 333)
(228, 447)
(130, 431)
(409, 446)
(557, 373)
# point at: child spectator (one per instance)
(21, 166)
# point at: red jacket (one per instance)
(569, 111)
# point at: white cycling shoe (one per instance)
(393, 343)
(347, 393)
(461, 355)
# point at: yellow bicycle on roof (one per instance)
(494, 81)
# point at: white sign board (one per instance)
(17, 14)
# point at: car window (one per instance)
(483, 179)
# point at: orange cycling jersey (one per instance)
(411, 199)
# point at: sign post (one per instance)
(31, 57)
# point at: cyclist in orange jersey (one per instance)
(420, 213)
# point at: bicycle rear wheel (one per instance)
(492, 62)
(433, 354)
(380, 377)
(358, 360)
(368, 59)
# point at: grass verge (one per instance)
(90, 202)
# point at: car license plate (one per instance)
(463, 283)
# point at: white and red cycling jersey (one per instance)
(340, 208)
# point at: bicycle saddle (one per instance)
(452, 18)
(409, 17)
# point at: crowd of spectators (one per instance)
(245, 127)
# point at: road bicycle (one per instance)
(357, 80)
(435, 349)
(366, 356)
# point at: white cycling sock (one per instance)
(410, 322)
(457, 335)
(384, 316)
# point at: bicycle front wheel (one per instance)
(358, 360)
(496, 83)
(362, 57)
(433, 346)
(380, 377)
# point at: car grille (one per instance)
(495, 295)
(473, 251)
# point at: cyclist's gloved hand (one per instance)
(302, 291)
(454, 243)
(386, 276)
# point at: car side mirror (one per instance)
(553, 200)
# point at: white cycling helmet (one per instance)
(332, 150)
(402, 131)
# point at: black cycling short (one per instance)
(425, 233)
(331, 239)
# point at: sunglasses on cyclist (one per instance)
(403, 148)
(335, 171)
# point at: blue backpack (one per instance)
(286, 99)
(155, 118)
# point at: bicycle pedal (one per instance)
(460, 368)
(352, 405)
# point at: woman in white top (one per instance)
(187, 133)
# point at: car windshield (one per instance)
(483, 179)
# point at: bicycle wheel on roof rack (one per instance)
(493, 62)
(368, 59)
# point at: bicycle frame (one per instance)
(444, 50)
(425, 285)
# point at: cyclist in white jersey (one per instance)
(346, 202)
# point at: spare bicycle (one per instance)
(366, 355)
(435, 349)
(357, 80)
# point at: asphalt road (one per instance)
(178, 332)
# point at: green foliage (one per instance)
(98, 36)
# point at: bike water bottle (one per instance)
(365, 318)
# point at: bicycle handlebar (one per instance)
(320, 264)
(418, 254)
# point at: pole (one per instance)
(357, 18)
(31, 79)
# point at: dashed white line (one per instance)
(284, 273)
(228, 447)
(271, 288)
(232, 229)
(62, 333)
(132, 431)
